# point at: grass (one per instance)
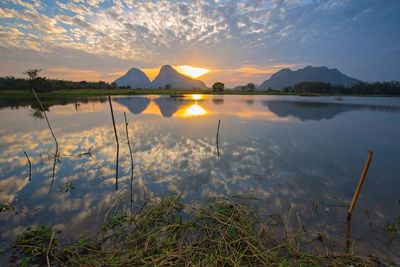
(166, 232)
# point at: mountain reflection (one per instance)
(136, 105)
(304, 110)
(168, 106)
(180, 107)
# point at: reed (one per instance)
(52, 133)
(116, 139)
(217, 137)
(131, 155)
(30, 166)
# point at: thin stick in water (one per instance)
(30, 166)
(359, 185)
(219, 122)
(51, 130)
(116, 138)
(48, 248)
(130, 152)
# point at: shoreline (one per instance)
(116, 92)
(167, 231)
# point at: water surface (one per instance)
(279, 151)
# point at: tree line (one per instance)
(42, 84)
(361, 88)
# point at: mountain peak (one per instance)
(287, 77)
(167, 67)
(135, 78)
(168, 76)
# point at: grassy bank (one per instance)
(166, 232)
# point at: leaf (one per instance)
(25, 261)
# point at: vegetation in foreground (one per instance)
(166, 232)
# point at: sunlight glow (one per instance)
(191, 71)
(196, 96)
(194, 110)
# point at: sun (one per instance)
(191, 71)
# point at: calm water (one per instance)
(307, 152)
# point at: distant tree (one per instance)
(313, 87)
(269, 89)
(218, 87)
(36, 82)
(32, 73)
(251, 87)
(168, 86)
(287, 89)
(114, 85)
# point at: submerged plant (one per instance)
(4, 207)
(117, 219)
(392, 229)
(37, 244)
(68, 186)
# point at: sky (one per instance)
(237, 41)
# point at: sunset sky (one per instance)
(237, 41)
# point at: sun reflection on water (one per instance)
(194, 110)
(196, 96)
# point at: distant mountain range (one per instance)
(168, 77)
(287, 77)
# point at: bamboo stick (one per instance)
(116, 138)
(359, 185)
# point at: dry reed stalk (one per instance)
(51, 130)
(116, 138)
(30, 166)
(219, 122)
(130, 153)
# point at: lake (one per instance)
(274, 152)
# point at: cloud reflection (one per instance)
(264, 160)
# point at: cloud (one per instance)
(211, 34)
(75, 74)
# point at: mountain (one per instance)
(135, 78)
(287, 77)
(175, 80)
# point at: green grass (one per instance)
(166, 232)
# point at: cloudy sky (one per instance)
(238, 41)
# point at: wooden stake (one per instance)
(116, 138)
(359, 185)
